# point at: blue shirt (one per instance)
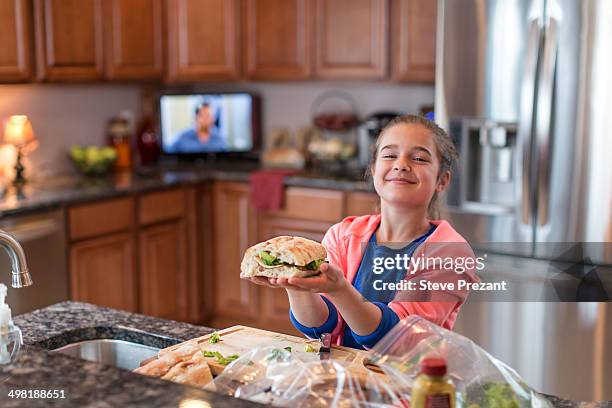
(188, 142)
(364, 283)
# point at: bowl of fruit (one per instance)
(93, 160)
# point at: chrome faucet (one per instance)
(21, 276)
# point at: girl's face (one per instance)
(407, 166)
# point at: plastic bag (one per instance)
(480, 379)
(284, 378)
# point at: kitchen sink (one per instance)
(118, 353)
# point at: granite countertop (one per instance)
(53, 192)
(88, 384)
(91, 384)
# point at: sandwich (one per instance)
(283, 257)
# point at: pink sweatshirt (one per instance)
(345, 247)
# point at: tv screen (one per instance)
(207, 123)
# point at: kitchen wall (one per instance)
(290, 104)
(63, 115)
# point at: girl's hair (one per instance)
(447, 153)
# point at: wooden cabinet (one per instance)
(358, 203)
(413, 40)
(101, 217)
(133, 39)
(102, 261)
(167, 267)
(310, 204)
(103, 271)
(351, 38)
(234, 230)
(163, 270)
(277, 39)
(203, 40)
(69, 39)
(15, 41)
(145, 247)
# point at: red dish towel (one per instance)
(267, 188)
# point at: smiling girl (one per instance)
(411, 166)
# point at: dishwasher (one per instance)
(43, 238)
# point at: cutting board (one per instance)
(242, 339)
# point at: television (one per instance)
(197, 124)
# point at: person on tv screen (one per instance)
(204, 137)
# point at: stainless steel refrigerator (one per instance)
(525, 89)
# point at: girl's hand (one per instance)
(262, 280)
(331, 279)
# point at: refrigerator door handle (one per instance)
(525, 125)
(546, 84)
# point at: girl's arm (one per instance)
(362, 317)
(308, 308)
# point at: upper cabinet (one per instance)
(133, 39)
(351, 38)
(277, 39)
(69, 39)
(217, 40)
(413, 33)
(203, 40)
(15, 60)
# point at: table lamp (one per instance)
(18, 132)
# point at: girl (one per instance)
(411, 165)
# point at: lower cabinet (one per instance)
(138, 254)
(103, 271)
(235, 301)
(163, 270)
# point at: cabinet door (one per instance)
(163, 270)
(277, 39)
(234, 229)
(69, 39)
(351, 40)
(413, 28)
(274, 302)
(133, 39)
(15, 61)
(203, 40)
(102, 271)
(362, 203)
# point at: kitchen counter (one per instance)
(92, 384)
(54, 192)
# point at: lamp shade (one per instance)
(18, 131)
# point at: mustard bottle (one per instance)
(432, 389)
